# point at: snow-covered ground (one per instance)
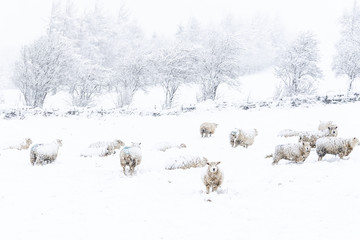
(90, 198)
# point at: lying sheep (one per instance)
(131, 157)
(323, 125)
(243, 138)
(180, 159)
(21, 144)
(336, 146)
(297, 152)
(213, 177)
(207, 129)
(98, 151)
(164, 146)
(311, 136)
(44, 152)
(116, 144)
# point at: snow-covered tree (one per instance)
(41, 69)
(130, 75)
(298, 66)
(174, 65)
(86, 82)
(219, 62)
(347, 58)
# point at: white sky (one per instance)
(21, 21)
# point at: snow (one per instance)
(47, 149)
(91, 198)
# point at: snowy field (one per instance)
(91, 198)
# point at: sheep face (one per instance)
(119, 143)
(59, 142)
(333, 130)
(307, 147)
(182, 145)
(355, 141)
(28, 141)
(136, 144)
(212, 166)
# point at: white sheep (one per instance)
(183, 159)
(164, 146)
(323, 125)
(242, 137)
(19, 144)
(213, 177)
(45, 152)
(207, 129)
(311, 136)
(130, 156)
(297, 152)
(336, 146)
(98, 151)
(116, 144)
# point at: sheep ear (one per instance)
(303, 143)
(207, 163)
(329, 128)
(218, 163)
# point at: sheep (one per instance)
(297, 152)
(323, 125)
(164, 146)
(336, 146)
(130, 156)
(331, 131)
(312, 136)
(22, 144)
(180, 159)
(45, 152)
(243, 138)
(98, 151)
(213, 177)
(207, 129)
(116, 144)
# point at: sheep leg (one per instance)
(32, 158)
(207, 188)
(214, 188)
(131, 170)
(275, 161)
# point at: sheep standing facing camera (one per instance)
(45, 152)
(130, 156)
(213, 177)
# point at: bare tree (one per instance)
(130, 75)
(298, 66)
(41, 69)
(218, 63)
(347, 58)
(174, 65)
